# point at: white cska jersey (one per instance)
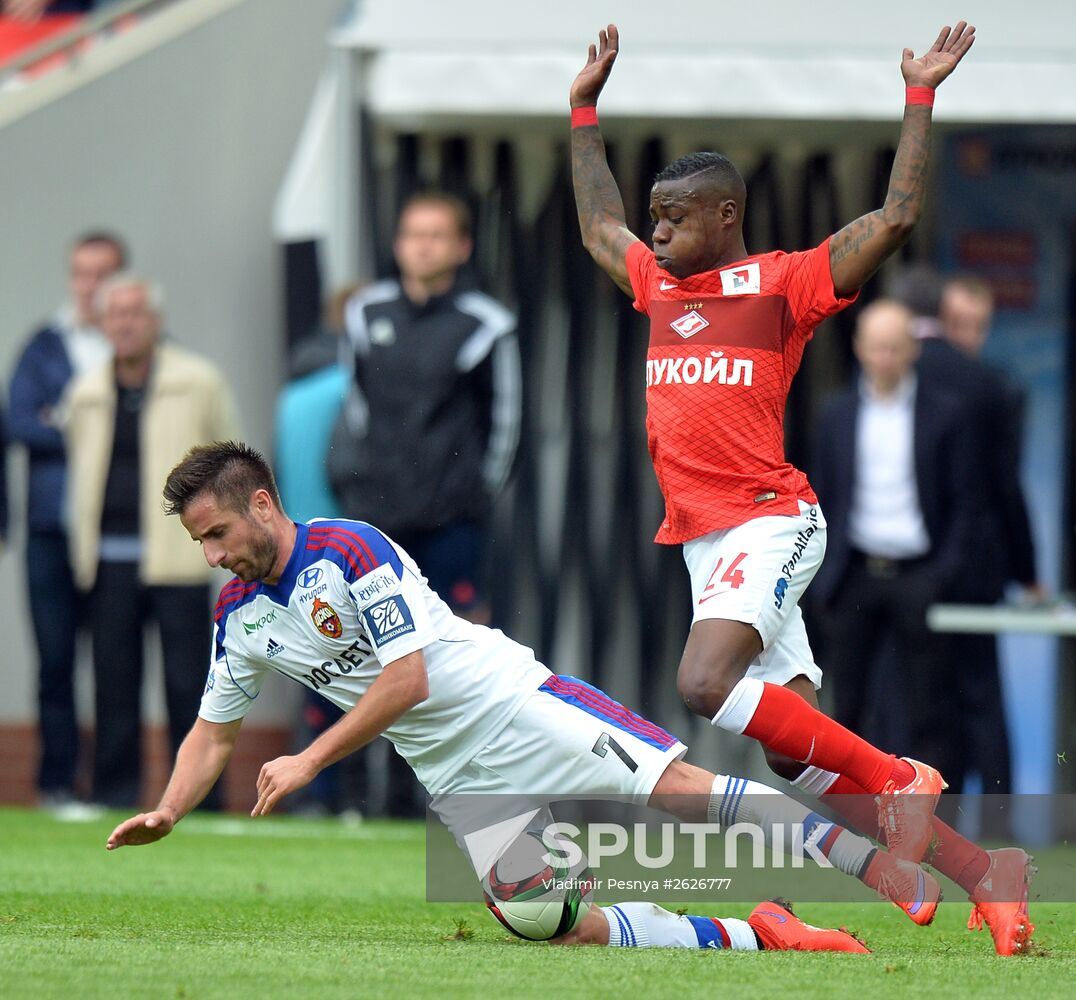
(349, 602)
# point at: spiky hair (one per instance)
(230, 471)
(717, 169)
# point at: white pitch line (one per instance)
(298, 830)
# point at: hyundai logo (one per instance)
(309, 578)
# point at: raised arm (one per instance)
(859, 249)
(602, 222)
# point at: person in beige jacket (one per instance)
(128, 422)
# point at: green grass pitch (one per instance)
(233, 907)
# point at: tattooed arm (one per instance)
(859, 249)
(602, 222)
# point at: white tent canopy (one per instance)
(833, 59)
(782, 67)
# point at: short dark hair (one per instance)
(720, 169)
(457, 206)
(228, 470)
(92, 236)
(918, 286)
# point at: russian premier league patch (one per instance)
(388, 620)
(742, 280)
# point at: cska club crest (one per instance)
(325, 619)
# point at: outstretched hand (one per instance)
(145, 828)
(591, 79)
(940, 59)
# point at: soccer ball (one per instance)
(533, 898)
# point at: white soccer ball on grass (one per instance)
(533, 890)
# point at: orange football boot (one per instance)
(906, 814)
(905, 885)
(780, 929)
(1000, 899)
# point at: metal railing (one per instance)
(70, 41)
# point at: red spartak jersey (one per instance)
(724, 346)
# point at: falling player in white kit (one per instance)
(337, 606)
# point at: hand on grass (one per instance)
(145, 828)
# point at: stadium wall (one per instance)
(181, 149)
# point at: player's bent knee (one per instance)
(784, 766)
(715, 660)
(703, 690)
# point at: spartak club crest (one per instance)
(325, 619)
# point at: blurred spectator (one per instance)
(68, 345)
(306, 412)
(429, 431)
(430, 428)
(919, 287)
(27, 24)
(891, 473)
(1005, 551)
(3, 484)
(128, 424)
(32, 10)
(966, 311)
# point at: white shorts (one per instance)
(570, 739)
(756, 573)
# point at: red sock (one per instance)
(785, 722)
(954, 856)
(957, 857)
(851, 803)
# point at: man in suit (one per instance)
(891, 473)
(995, 425)
(954, 359)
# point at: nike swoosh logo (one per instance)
(776, 916)
(665, 286)
(920, 892)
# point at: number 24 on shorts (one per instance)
(732, 576)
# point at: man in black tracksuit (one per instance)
(428, 433)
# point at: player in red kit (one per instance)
(727, 332)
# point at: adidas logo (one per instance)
(273, 647)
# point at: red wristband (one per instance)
(584, 116)
(919, 95)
